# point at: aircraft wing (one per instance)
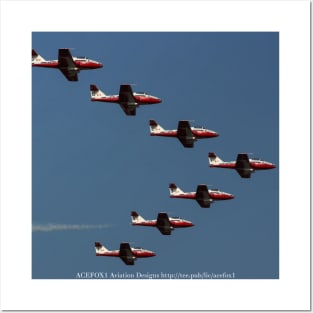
(67, 65)
(243, 166)
(126, 94)
(185, 134)
(127, 100)
(163, 224)
(203, 197)
(126, 254)
(128, 109)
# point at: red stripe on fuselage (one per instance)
(224, 165)
(262, 166)
(87, 65)
(173, 223)
(169, 133)
(173, 133)
(46, 64)
(185, 196)
(115, 253)
(113, 99)
(178, 224)
(145, 223)
(146, 99)
(204, 134)
(220, 196)
(143, 253)
(80, 65)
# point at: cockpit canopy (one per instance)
(82, 58)
(258, 159)
(138, 248)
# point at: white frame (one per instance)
(19, 19)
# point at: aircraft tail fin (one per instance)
(214, 159)
(174, 190)
(36, 58)
(95, 92)
(155, 127)
(136, 218)
(100, 248)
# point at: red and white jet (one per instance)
(126, 253)
(243, 165)
(164, 223)
(127, 99)
(68, 65)
(203, 195)
(186, 134)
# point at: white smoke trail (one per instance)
(63, 227)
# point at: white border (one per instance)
(19, 19)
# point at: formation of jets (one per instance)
(129, 101)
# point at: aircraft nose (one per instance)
(230, 196)
(270, 165)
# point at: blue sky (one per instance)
(92, 164)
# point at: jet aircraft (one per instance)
(164, 223)
(186, 134)
(127, 99)
(68, 65)
(203, 195)
(243, 165)
(127, 254)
